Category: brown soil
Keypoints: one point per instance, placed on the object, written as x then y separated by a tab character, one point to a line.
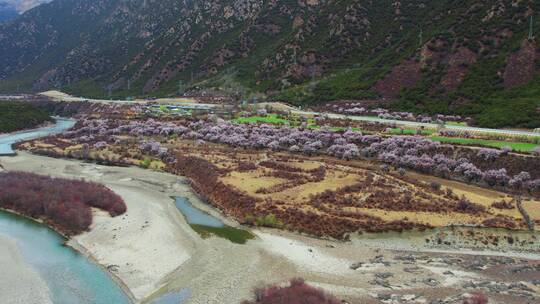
520	66
321	196
405	75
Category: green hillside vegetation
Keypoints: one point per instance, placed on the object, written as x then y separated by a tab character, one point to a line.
269	119
235	235
301	53
516	146
15	116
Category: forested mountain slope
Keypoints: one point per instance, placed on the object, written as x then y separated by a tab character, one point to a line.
469	57
7	12
10	9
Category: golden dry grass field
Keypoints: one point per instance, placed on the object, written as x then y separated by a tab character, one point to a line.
357	192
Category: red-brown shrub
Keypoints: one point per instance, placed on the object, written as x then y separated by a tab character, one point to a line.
504	205
476	298
297	293
62	203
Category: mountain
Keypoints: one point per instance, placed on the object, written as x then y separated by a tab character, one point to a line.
468	57
10	9
22	6
7	12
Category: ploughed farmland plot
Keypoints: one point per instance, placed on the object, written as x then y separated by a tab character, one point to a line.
325	197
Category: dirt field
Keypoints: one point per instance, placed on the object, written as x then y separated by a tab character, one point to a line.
365	270
327	197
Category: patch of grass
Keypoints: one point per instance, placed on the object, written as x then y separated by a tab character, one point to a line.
145	163
164	108
273	119
517	146
270	119
397	131
456	123
149	163
235	235
269	220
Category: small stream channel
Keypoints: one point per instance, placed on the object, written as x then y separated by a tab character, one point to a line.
70	276
206	225
6	140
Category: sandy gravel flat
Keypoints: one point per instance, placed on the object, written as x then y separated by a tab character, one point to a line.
306	257
140	247
19	282
153	251
61	96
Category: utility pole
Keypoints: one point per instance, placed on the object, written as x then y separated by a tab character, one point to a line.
109	91
180	87
421	37
531	33
312	74
129	84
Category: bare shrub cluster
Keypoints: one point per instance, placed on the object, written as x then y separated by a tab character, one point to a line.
298	292
62	203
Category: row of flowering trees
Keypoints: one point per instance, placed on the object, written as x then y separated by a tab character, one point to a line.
418	153
63	203
240	135
359	109
411	152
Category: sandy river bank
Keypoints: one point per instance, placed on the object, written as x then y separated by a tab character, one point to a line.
152	250
140	247
19	282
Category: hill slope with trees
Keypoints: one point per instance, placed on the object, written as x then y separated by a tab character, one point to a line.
7	12
15	116
467	57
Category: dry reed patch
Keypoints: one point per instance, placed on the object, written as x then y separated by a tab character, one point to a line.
464	188
305	165
333	181
295	187
325	196
75	147
475	194
533	209
426	218
251	181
